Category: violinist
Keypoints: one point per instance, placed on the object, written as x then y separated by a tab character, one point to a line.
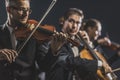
67	63
23	66
93	27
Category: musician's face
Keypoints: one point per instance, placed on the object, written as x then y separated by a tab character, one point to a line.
72	24
94	32
19	12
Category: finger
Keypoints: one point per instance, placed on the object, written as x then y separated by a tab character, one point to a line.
58	37
82	33
5	55
14	54
11	54
8	53
61	37
107	40
55	38
65	37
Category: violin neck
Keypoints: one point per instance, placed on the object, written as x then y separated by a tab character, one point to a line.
45	31
90	49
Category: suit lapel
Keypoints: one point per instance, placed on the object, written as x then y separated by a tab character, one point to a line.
5	41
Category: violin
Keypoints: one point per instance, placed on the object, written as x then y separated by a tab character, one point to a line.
114	46
42	33
100	72
90	54
108	43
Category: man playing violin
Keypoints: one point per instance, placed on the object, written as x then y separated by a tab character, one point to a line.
67	63
93	27
22	66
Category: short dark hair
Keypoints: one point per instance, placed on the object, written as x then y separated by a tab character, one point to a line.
89	23
11	2
71	11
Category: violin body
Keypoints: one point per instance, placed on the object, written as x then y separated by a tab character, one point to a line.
100	72
42	33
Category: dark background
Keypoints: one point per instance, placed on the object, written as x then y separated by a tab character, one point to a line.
107	11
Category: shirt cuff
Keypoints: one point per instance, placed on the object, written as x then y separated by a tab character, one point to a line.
100	63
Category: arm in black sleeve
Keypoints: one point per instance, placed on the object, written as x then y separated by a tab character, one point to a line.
66	59
95	43
86	69
44	56
114	58
83	64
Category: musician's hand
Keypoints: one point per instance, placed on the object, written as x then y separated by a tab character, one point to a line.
107	68
104	41
85	36
57	42
8	54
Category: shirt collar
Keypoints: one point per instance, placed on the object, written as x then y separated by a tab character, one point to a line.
9	28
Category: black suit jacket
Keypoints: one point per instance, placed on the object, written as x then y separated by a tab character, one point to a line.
24	66
63	65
